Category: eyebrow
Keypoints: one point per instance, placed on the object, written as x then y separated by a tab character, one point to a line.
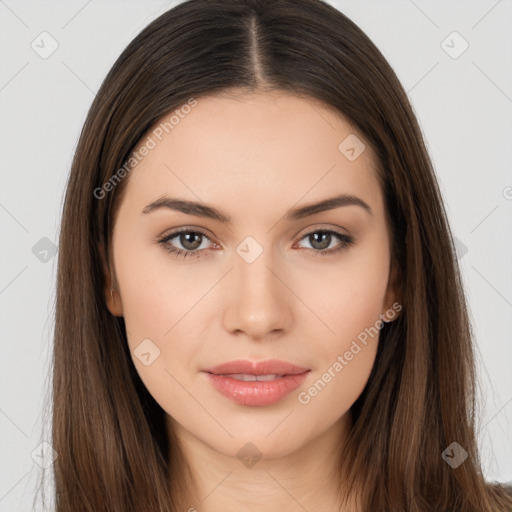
202	210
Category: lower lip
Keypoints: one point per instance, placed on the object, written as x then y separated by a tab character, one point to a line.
256	393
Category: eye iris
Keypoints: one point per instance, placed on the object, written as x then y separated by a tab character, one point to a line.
319	234
187	244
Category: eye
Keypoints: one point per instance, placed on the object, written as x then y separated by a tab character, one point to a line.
320	241
192	242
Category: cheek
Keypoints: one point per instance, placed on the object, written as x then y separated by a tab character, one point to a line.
159	312
159	322
348	297
334	388
345	296
345	354
157	295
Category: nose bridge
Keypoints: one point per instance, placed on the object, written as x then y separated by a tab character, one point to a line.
258	302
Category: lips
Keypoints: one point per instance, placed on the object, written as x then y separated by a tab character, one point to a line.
268	367
256	383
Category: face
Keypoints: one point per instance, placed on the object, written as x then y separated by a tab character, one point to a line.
262	278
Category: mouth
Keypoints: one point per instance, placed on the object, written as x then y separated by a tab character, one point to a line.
256	383
247	377
269	367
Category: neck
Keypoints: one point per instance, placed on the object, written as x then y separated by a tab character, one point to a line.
305	479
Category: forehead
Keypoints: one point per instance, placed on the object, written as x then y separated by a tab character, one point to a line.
260	148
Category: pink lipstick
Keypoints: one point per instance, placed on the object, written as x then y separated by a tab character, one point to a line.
256	383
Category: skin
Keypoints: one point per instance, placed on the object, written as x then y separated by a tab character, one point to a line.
254	157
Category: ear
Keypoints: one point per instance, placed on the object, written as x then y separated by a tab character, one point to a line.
393	296
112	297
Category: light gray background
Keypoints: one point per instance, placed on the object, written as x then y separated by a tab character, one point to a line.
464	106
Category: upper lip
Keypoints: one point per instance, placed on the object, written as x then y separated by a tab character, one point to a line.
268	367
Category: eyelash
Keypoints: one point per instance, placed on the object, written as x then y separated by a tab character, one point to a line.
346	241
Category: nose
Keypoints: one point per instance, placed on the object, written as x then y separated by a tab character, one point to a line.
259	304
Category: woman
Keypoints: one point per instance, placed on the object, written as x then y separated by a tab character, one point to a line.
258	302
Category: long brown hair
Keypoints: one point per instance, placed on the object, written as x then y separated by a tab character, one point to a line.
114	453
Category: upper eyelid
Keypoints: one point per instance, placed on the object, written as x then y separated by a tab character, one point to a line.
174	234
